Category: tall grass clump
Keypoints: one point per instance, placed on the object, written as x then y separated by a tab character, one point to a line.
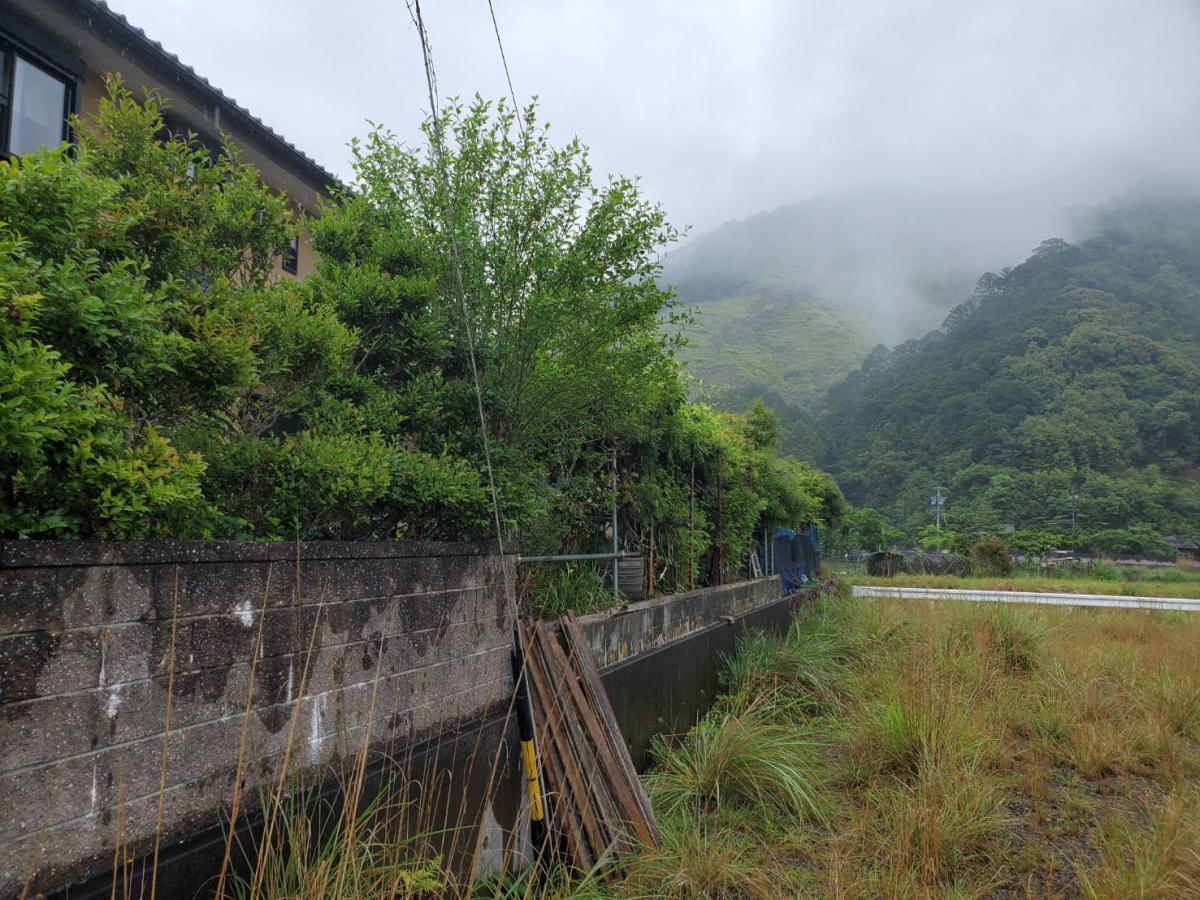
1158	860
940	827
738	759
697	861
1011	640
315	848
550	589
800	673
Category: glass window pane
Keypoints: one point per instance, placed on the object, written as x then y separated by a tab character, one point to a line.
3	75
38	103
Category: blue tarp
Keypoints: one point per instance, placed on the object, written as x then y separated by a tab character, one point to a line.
797	556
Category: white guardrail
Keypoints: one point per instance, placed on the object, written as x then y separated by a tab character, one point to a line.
1111	600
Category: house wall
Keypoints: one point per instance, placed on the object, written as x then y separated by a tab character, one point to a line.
76	41
410	643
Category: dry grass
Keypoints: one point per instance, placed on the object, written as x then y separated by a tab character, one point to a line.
966	751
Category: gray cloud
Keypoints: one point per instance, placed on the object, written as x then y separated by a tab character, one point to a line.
727	108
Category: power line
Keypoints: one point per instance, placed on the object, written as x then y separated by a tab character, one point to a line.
431	83
504	59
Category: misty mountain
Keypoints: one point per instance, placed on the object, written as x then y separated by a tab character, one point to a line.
1070	382
791	300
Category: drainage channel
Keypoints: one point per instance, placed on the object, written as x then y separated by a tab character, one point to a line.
1118	602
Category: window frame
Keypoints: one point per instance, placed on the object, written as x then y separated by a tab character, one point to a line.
290	261
11	47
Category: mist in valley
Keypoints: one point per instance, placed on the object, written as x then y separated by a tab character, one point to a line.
870	157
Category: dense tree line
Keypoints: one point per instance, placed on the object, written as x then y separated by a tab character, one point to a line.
157	379
1066	390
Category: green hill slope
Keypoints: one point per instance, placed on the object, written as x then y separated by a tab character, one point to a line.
768	341
1069	382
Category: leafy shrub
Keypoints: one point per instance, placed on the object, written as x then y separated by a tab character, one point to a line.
1105	570
990	557
157	379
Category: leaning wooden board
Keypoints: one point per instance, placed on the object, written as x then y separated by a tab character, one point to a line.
598	809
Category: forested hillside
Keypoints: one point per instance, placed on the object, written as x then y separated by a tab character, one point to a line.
1071	382
792	300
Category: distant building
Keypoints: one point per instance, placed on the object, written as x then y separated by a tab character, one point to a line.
1187	553
54	56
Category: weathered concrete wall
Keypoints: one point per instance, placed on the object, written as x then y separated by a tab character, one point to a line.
408	641
619	634
661	658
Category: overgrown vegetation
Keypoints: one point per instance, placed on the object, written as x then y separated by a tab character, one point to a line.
157	380
897	750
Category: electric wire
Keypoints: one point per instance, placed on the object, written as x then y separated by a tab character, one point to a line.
504	59
431	83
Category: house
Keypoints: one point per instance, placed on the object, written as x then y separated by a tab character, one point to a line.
1187	552
54	57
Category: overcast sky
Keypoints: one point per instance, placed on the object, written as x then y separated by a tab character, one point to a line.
728	108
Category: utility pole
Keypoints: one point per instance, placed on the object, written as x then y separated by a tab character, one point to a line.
938	502
1074	508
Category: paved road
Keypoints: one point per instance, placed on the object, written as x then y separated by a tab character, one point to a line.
912	593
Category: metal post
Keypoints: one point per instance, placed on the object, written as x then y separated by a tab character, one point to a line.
650	580
720	522
692	529
616	569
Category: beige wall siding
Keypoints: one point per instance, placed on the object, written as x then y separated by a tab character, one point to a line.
91	90
307	262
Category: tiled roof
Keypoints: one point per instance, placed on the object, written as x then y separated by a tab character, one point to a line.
187	73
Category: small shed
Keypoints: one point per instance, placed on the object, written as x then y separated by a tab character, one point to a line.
1187	552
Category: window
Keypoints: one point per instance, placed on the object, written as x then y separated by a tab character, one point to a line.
291	256
34	103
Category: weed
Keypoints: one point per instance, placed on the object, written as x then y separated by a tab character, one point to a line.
801	671
1157	861
941	825
696	862
736	758
550	589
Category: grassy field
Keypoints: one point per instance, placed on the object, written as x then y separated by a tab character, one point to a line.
885	749
800	346
1180	585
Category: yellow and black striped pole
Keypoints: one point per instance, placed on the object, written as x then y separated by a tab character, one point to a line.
529	754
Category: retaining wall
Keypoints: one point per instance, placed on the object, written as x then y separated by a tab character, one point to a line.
409	653
660	658
409	644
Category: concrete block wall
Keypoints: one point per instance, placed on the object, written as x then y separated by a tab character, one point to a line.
660	658
615	635
407	641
